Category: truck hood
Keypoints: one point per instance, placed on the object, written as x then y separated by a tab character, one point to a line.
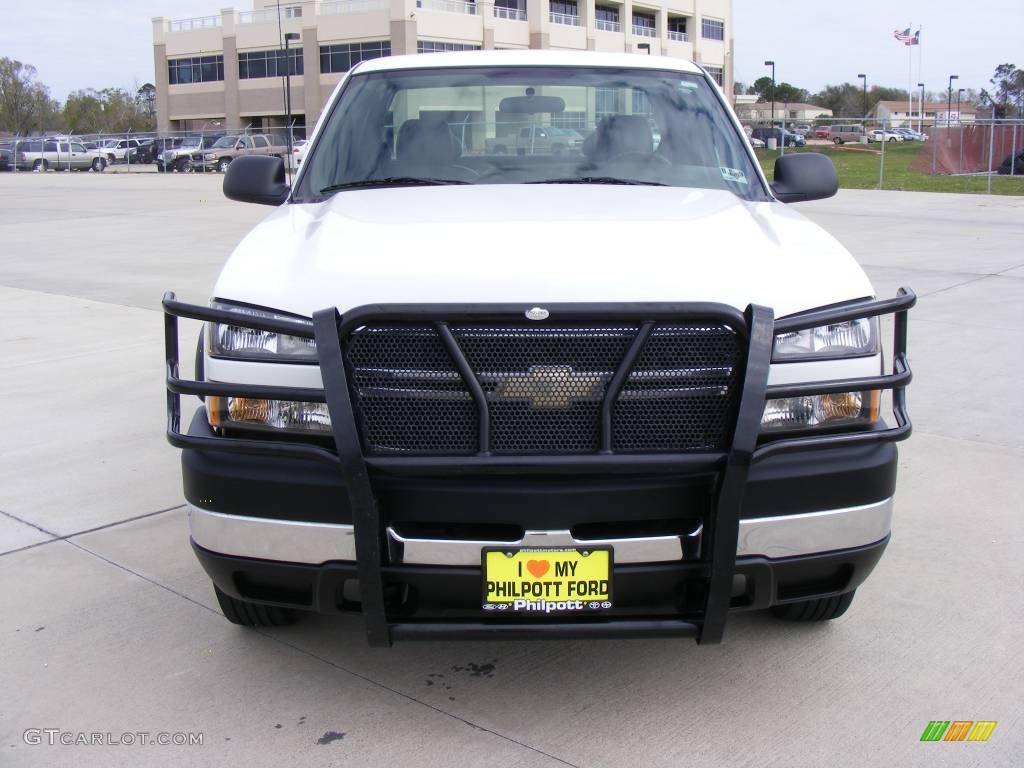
537	244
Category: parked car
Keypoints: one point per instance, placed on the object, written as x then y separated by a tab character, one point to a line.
841	134
220	154
518	423
186	154
1012	164
823	132
6	159
909	134
884	135
116	150
299	152
539	140
802	130
779	134
756	143
145	153
49	154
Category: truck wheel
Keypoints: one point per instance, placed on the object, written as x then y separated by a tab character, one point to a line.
837	140
184	165
500	149
222	166
248	614
98	164
822	609
40	165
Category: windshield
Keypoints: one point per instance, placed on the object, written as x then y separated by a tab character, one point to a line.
521	125
225	142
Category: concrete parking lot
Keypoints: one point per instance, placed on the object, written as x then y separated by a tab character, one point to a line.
109	625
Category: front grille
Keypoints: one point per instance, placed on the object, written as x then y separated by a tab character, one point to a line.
544	387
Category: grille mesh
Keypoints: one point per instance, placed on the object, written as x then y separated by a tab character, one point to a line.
544	386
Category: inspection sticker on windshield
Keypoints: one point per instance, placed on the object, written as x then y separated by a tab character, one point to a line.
733	174
547	580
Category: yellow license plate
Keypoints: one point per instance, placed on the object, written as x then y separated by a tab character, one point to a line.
547	580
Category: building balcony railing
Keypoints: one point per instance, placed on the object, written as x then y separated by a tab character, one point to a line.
644	31
269	15
566	19
343	7
186	25
607	26
681	37
510	14
448	6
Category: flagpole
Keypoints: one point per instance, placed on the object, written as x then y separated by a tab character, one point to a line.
920	119
910	77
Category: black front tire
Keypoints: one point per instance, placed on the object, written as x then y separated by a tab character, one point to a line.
248	614
821	609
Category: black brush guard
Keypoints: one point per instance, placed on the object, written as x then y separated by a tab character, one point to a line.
756	328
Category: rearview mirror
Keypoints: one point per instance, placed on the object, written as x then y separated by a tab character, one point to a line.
804	176
531	104
256	179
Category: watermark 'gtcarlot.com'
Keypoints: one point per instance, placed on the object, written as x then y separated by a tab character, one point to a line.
55	736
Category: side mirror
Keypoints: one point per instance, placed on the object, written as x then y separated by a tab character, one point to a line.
804	176
256	179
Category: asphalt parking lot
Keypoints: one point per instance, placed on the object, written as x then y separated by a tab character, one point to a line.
109	625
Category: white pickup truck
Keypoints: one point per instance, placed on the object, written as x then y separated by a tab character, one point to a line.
622	392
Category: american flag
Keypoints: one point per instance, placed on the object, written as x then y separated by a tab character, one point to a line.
903	36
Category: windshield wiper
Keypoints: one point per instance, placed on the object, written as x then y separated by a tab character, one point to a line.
391	181
598	180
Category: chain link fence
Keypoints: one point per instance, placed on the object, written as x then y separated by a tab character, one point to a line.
969	156
146	152
868	153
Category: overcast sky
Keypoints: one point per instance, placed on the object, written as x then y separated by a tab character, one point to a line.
101	43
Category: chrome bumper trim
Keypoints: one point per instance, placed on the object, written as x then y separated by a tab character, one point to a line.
315	543
648	549
287	541
832	529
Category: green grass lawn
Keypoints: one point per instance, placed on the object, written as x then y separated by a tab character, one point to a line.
858	169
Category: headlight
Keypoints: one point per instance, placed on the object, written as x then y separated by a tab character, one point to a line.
269	415
238	341
854	338
839	409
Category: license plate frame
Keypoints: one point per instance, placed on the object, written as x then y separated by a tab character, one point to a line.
519	569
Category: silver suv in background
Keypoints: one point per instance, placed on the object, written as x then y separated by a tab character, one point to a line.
185	154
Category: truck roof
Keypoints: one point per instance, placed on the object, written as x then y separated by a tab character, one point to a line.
527	58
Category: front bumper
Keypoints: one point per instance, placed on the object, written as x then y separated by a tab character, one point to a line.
756	524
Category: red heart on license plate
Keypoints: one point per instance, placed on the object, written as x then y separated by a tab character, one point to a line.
538	567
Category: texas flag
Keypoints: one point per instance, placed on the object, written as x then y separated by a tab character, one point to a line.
915	40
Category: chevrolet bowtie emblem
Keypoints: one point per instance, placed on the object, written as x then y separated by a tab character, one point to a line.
551	386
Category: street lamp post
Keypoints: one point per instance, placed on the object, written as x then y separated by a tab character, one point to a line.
920	115
864	82
288	37
949	98
772	65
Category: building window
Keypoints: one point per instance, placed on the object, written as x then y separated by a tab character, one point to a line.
253	64
608	101
435	46
712	29
341	58
716	74
641	103
197	69
576	120
677	24
564	12
292	12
